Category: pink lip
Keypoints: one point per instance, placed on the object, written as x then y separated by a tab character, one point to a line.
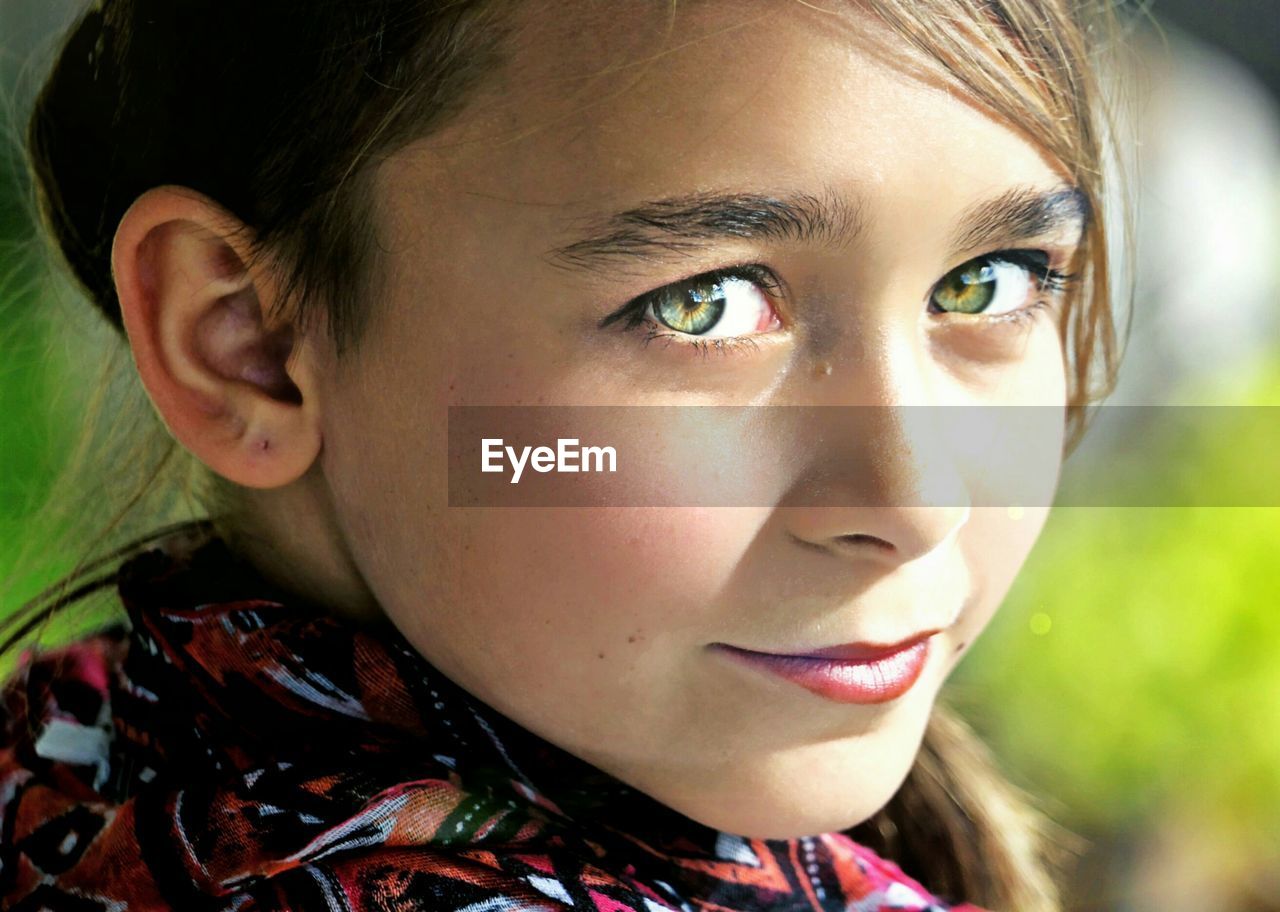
859	652
852	673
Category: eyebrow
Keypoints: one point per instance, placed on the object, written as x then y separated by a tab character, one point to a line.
686	224
1022	214
683	225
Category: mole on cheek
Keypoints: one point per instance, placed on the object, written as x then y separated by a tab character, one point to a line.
961	646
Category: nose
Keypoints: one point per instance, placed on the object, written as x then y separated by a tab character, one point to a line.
882	481
887	535
895	499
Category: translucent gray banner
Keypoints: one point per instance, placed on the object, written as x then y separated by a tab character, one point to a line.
755	456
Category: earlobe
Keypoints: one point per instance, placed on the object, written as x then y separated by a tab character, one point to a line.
231	387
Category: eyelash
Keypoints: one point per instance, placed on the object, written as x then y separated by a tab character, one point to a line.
1046	279
721	345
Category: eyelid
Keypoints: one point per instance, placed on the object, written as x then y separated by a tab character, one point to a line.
1038	261
1026	256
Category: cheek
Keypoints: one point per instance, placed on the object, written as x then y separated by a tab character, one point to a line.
996	543
599	578
558	616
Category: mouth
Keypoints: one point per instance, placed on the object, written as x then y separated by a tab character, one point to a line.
849	673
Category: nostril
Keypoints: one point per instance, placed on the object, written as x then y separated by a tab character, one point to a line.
846	543
860	538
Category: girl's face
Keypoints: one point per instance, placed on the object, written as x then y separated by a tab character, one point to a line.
593	626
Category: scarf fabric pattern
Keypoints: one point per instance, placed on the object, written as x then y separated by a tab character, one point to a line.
232	749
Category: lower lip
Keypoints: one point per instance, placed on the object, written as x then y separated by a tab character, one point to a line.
876	680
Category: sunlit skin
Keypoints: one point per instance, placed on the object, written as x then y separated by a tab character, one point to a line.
591	626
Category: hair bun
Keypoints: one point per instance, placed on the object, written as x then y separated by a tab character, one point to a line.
73	153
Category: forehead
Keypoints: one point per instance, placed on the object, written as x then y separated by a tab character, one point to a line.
604	104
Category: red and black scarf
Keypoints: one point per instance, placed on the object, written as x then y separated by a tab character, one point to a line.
234	749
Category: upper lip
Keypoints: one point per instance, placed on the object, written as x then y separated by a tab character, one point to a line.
860	651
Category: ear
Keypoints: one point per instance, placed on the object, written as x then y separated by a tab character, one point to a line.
235	391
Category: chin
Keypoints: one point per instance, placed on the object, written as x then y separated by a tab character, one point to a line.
803	803
786	823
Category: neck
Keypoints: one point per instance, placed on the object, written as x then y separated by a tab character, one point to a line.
291	536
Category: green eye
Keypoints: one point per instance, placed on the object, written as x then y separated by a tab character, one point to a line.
967	289
997	283
722	305
716	305
692	309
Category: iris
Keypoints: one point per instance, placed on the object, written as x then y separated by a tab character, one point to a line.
692	309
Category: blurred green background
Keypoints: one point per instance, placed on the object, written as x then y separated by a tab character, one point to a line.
1132	679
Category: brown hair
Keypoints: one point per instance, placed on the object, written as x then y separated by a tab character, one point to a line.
277	110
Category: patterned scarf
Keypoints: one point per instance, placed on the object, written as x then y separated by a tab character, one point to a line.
235	749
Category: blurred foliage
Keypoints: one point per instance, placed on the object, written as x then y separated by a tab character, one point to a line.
1134	670
26	447
39	409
